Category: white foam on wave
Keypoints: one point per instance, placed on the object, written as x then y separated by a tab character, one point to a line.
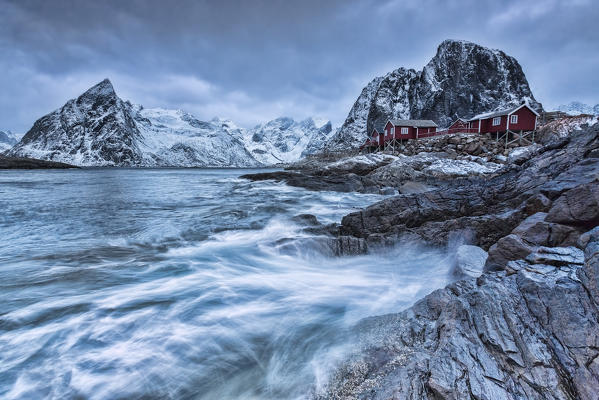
261	313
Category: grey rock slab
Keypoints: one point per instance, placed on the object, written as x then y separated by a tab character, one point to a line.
469	261
557	256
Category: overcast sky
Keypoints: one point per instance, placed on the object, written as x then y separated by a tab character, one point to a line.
252	61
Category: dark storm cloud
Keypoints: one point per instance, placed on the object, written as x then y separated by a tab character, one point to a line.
255	60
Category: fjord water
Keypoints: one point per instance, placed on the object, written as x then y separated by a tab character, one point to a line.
182	283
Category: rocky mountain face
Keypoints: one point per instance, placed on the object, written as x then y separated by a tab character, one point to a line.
463	79
577	108
100	129
176	138
7	140
97	128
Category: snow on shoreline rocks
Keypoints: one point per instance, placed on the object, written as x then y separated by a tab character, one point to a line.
421	166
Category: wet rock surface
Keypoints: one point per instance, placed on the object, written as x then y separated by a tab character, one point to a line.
530	331
469	261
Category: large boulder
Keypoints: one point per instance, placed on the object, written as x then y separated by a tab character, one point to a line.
508	248
579	206
537	203
586	237
536	231
521	154
556	256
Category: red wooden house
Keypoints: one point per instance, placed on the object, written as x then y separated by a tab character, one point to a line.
401	129
374	141
522	118
459	125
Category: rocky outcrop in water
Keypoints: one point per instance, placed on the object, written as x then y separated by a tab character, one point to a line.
483	210
463	79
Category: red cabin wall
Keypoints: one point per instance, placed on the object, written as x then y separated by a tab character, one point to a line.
410	135
489	128
526	120
374	139
388	129
426	132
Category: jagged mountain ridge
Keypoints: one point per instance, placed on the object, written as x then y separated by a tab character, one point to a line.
284	140
7	140
463	79
100	129
577	108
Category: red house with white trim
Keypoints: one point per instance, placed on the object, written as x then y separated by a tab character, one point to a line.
522	118
400	129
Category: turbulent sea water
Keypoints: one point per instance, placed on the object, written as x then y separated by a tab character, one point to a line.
182	284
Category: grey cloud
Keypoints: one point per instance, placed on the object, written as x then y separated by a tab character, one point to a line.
255	60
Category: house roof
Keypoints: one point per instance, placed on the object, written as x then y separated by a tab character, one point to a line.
459	119
378	130
502	112
416	123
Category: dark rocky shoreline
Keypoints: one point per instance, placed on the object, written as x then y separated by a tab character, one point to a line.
528	325
30	163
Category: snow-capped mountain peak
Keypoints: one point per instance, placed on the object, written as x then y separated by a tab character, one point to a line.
7	140
285	140
102	89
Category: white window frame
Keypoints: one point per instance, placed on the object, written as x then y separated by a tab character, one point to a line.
404	131
392	131
496	121
513	119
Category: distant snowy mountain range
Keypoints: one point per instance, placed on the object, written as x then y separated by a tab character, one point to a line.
577	108
100	129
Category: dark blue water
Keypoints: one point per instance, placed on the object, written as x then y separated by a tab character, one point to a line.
182	283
